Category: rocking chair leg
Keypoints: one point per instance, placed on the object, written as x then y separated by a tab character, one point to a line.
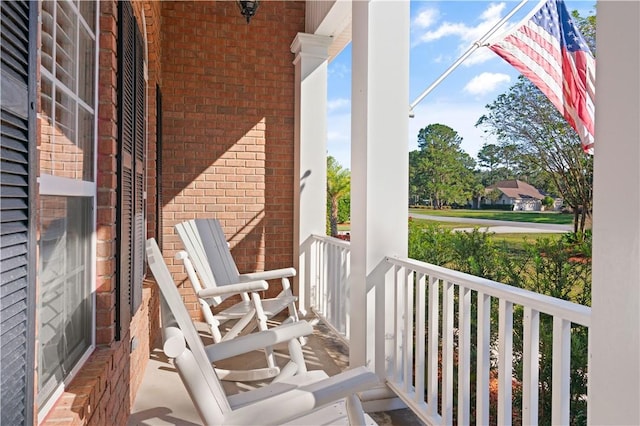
261	318
355	413
293	312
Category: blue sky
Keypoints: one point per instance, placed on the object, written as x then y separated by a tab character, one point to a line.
441	31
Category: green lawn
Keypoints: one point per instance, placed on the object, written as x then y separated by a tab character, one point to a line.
534	217
515	240
445	225
344	227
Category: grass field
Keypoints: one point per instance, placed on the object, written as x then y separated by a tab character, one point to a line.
533	217
515	240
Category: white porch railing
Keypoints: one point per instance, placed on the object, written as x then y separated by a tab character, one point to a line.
329	274
433	313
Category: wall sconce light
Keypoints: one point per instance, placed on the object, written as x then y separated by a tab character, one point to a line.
248	8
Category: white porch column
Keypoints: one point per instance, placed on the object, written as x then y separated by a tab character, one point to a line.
310	136
379	167
614	373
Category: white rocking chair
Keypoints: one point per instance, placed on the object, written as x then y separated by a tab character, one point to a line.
295	397
214	276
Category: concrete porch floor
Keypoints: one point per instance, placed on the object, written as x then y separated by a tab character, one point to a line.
163	400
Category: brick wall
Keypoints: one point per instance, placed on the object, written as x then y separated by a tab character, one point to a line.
107	174
228	148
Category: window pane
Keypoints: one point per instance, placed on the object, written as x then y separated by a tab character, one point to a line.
67	156
85	142
46	99
65	44
88	12
86	58
47	34
64	292
65	118
47	128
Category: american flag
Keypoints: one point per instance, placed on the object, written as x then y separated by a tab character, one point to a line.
548	49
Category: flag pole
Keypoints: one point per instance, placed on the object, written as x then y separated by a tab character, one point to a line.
464	56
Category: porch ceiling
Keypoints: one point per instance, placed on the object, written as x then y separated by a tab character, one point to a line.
332	19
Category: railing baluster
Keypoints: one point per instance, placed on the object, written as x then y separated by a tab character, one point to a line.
336	290
329	284
464	355
420	308
397	324
530	365
432	360
482	369
561	371
505	361
408	329
334	283
342	290
447	353
322	268
347	309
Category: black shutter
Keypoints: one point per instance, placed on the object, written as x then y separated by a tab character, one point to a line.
17	219
131	167
139	175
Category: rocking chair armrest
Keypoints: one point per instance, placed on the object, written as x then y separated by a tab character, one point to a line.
259	340
242	287
294	400
268	275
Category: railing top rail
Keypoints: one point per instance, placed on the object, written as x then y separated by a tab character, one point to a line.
332	240
573	312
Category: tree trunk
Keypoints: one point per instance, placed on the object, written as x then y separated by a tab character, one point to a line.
333	218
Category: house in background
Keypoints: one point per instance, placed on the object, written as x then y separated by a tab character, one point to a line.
120	119
519	194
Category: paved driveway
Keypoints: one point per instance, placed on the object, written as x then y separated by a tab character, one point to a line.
500	226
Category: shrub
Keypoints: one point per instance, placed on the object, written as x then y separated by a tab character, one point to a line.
430	243
558	268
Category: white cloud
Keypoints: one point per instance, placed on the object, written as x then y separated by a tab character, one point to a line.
337	104
481	55
444	30
339	70
426	18
493	13
485	83
466	34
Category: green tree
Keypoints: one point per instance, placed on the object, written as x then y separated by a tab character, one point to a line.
523	117
417	179
440	170
494	195
338	188
489	156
